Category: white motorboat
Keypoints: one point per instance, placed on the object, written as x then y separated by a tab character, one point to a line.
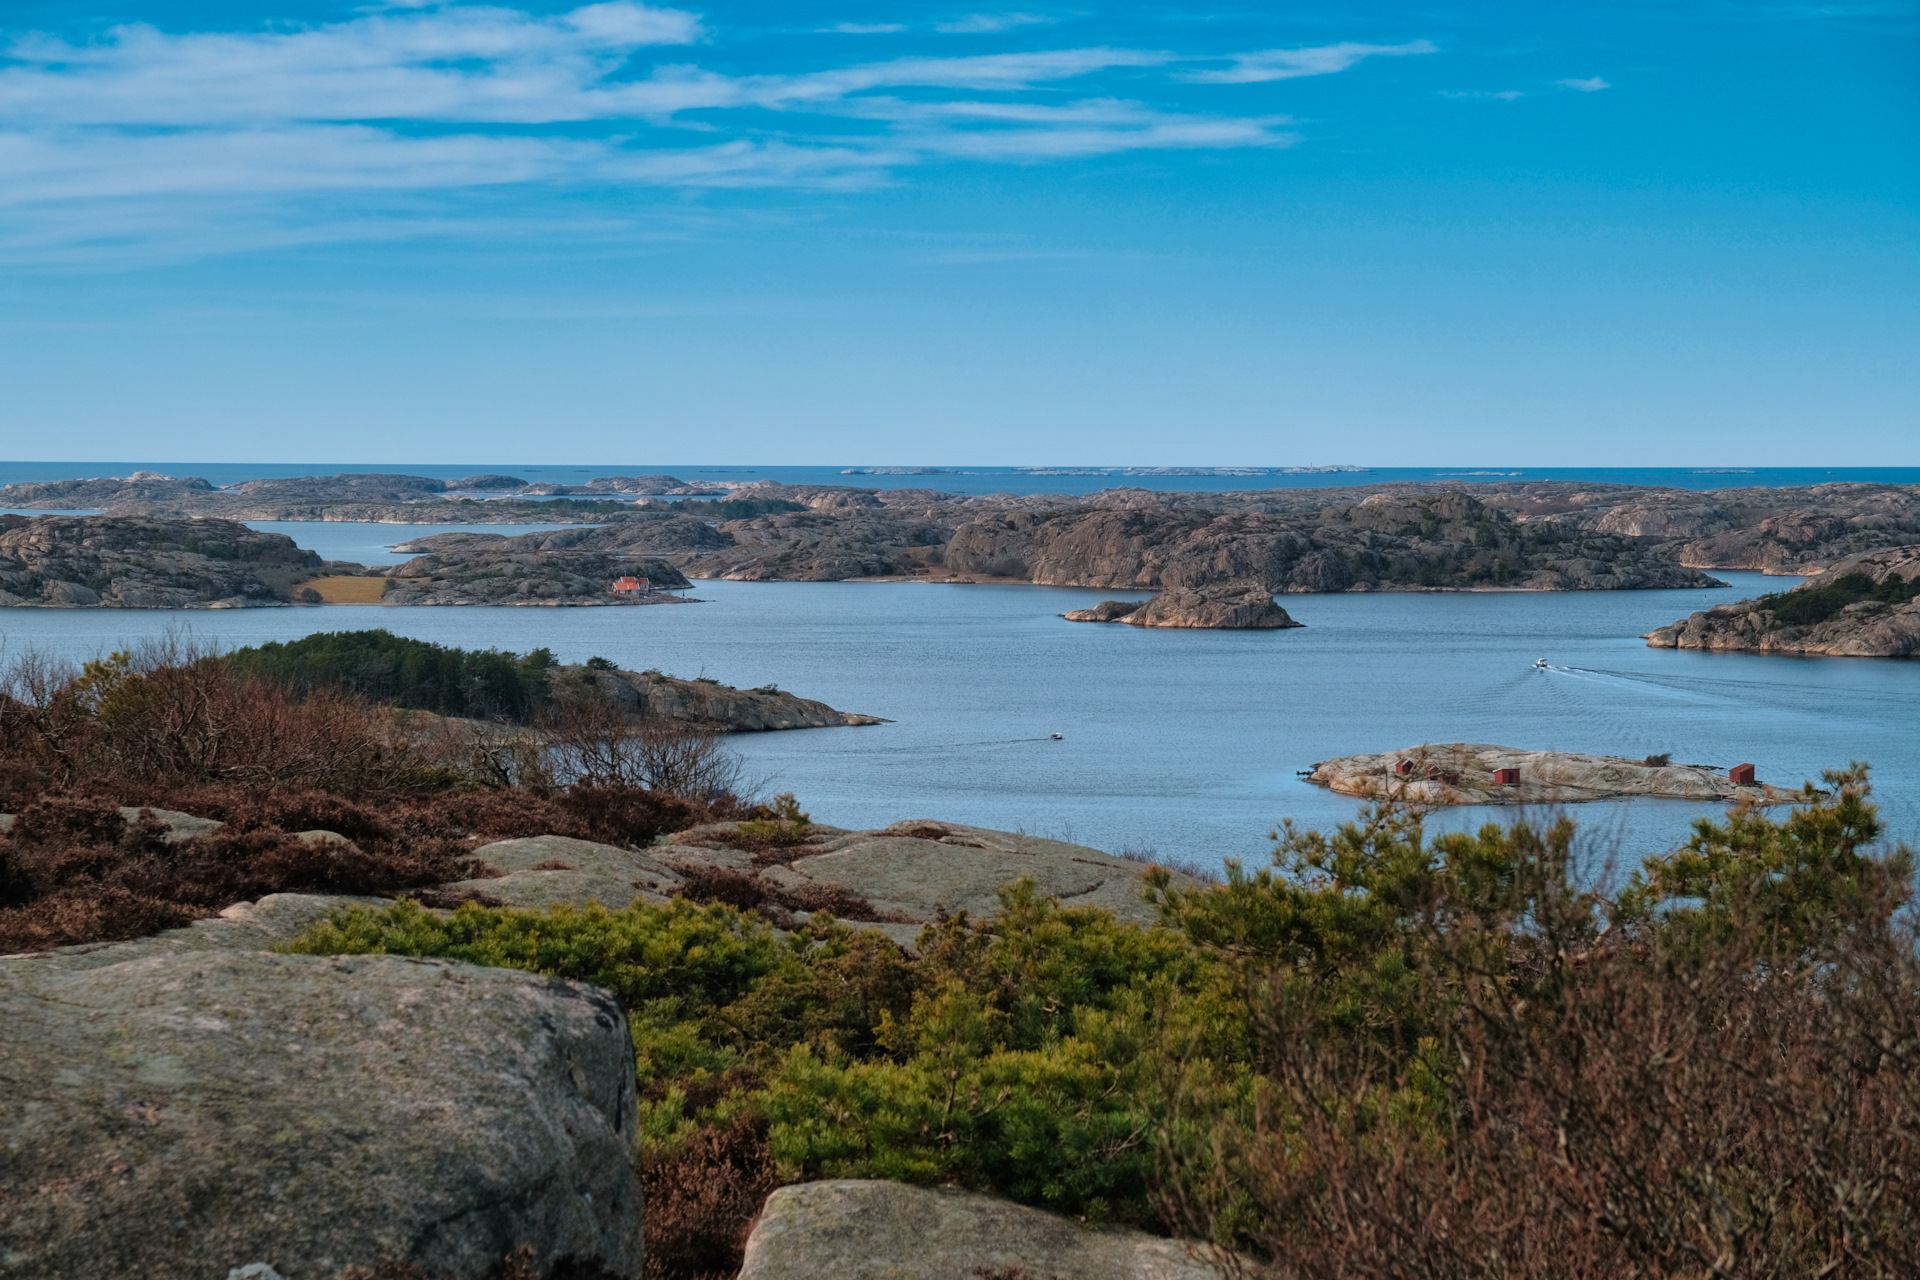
1540	664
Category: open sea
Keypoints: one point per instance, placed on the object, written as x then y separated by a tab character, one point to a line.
1183	743
994	479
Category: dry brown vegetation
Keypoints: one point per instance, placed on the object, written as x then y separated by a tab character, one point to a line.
1716	1075
175	727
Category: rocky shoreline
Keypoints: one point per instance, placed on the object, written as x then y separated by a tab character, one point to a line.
1866	606
1476	773
1504	534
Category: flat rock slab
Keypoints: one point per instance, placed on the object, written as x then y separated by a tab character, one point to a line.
1451	773
551	871
187	1104
858	1230
923	869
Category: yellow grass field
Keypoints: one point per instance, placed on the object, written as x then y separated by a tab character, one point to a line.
346	590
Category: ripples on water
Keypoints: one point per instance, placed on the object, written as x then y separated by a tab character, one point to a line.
1181	742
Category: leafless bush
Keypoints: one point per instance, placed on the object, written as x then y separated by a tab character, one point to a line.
1713	1114
592	740
174	712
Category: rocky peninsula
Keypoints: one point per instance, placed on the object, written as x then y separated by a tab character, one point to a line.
1866	606
1455	773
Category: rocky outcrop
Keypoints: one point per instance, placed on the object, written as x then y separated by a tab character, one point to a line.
1227	608
537	872
1105	611
1453	773
499	572
913	873
1866	606
1509	533
189	1104
861	1230
710	704
114	562
1224	609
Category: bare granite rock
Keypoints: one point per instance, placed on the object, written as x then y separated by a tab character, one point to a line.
1450	773
538	872
184	1105
1864	628
710	704
863	1230
1244	608
116	562
921	871
1105	611
498	571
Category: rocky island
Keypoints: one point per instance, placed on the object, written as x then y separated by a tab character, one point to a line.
1247	608
142	562
1866	606
1455	773
136	562
1501	535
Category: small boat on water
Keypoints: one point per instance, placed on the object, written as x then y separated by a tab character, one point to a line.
1539	664
1054	736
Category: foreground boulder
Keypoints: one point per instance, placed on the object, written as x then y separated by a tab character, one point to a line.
914	873
1866	606
189	1104
1450	773
857	1230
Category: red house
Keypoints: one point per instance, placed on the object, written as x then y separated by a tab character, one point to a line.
1506	777
631	586
1403	767
1741	775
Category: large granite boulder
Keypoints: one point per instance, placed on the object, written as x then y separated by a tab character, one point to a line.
537	872
858	1230
914	873
188	1104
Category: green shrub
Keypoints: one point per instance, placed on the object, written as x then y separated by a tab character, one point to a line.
1025	1056
1806	606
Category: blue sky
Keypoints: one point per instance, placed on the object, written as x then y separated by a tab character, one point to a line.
1572	234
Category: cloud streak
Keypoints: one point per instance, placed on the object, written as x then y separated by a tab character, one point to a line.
450	98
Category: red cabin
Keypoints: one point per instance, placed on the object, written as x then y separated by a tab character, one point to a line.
1506	777
1741	775
631	585
1403	767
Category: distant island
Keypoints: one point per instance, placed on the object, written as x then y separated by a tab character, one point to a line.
1504	534
127	562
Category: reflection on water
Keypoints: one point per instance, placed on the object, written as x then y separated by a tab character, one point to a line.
1183	742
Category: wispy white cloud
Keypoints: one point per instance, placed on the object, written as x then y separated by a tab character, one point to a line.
1494	95
138	125
988	23
1316	60
1592	84
864	28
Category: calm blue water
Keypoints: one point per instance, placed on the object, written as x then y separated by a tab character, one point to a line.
1182	742
989	479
